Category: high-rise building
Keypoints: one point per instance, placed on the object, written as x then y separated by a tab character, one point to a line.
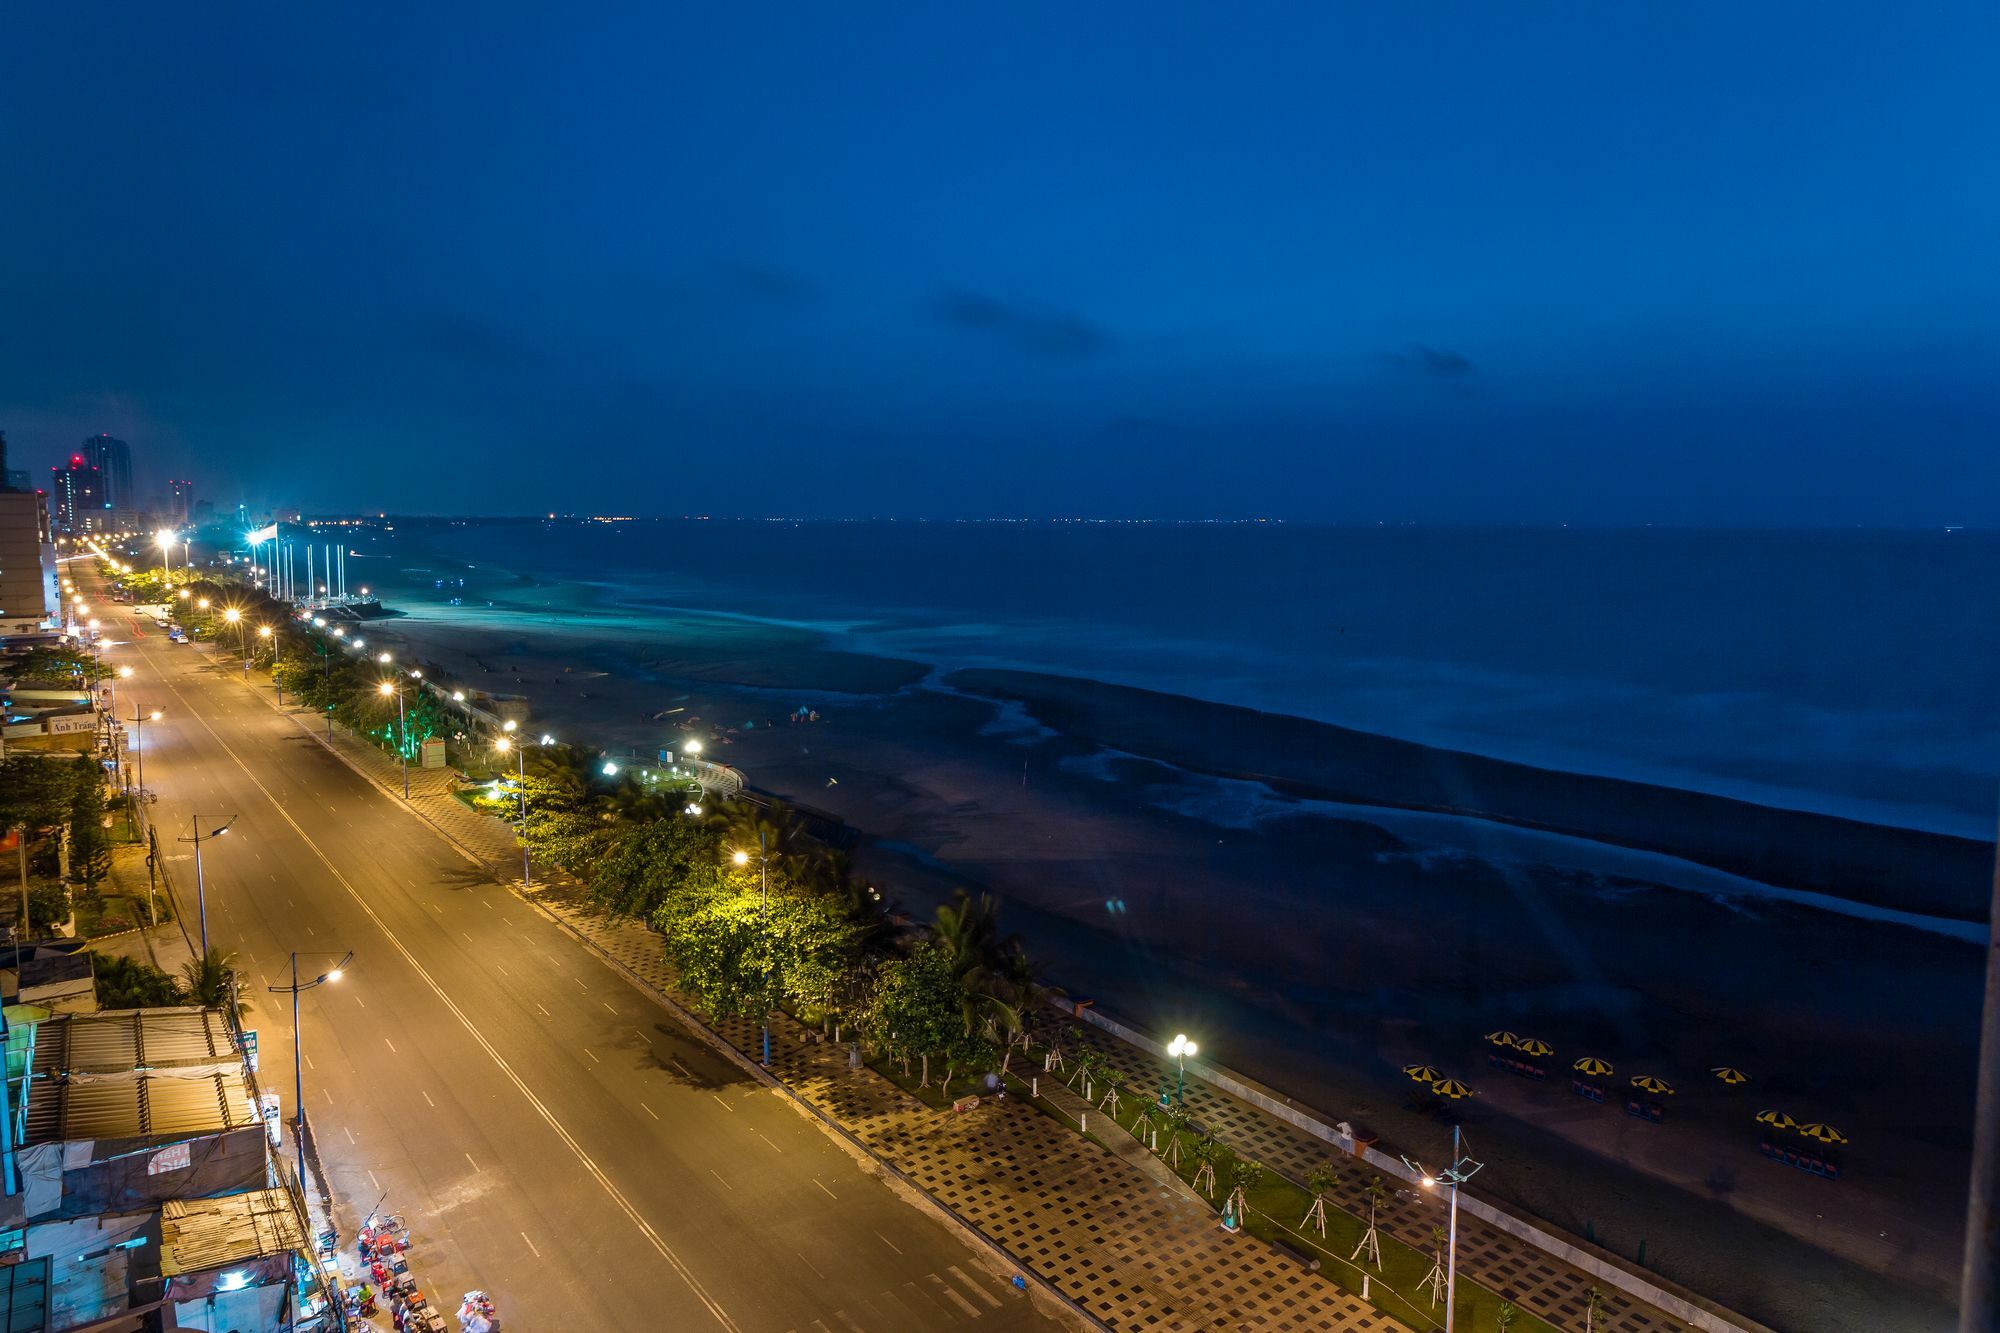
76	496
180	501
11	479
26	573
113	461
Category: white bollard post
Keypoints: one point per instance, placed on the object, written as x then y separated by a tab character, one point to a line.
1035	1086
1083	1122
1364	1286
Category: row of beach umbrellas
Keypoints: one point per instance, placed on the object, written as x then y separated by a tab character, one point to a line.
1594	1067
1816	1131
1439	1083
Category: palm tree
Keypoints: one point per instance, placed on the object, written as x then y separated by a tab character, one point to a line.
969	929
1322	1180
1207	1152
211	980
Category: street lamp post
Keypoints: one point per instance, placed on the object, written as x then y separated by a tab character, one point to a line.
298	1052
402	733
264	632
165	541
1462	1169
764	920
235	617
1181	1048
200	886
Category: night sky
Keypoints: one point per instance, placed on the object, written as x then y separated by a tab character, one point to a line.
1545	262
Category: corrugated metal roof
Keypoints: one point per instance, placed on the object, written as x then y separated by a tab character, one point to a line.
198	1234
142	1106
121	1040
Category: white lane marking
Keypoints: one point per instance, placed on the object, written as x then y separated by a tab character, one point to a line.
427	1099
810	1264
391	1045
579	981
309	1062
545	1013
607	1005
829	1193
593	1056
503	971
541	1108
649	1110
952	1294
973	1287
890	1243
468	937
363	1003
725	1184
678	1065
760	1134
531	1244
725	1105
371	1180
470	1162
350	1135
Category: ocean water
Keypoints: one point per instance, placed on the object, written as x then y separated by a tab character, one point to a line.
1855	673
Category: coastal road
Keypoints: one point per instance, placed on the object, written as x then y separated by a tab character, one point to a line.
549	1132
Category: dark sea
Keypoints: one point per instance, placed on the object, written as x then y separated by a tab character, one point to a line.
1854	673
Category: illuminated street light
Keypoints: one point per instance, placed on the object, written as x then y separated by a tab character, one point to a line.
1181	1048
1462	1169
402	731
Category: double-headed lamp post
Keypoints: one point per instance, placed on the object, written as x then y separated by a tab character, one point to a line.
200	886
298	1055
1181	1048
503	744
764	915
402	731
1462	1169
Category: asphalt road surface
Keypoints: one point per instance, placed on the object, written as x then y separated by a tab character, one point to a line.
549	1132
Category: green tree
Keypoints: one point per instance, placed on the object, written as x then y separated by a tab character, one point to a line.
916	1008
125	983
210	979
1506	1316
89	841
644	867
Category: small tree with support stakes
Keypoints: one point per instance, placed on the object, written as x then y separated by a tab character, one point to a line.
1507	1316
1371	1242
1088	1063
1243	1177
1207	1152
1434	1280
1593	1309
1114	1079
1321	1181
1177	1123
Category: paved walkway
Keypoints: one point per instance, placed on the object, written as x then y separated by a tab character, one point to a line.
1539	1284
1131	1250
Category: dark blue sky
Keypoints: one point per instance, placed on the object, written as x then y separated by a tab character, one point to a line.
1548	262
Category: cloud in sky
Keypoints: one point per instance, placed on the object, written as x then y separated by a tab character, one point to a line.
1054	334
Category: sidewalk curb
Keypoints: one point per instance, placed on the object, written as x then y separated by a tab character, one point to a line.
924	1200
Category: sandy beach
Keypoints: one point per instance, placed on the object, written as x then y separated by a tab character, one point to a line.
1169	859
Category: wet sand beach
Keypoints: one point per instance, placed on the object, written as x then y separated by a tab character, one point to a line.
1318	949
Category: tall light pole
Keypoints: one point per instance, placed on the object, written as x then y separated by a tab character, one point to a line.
402	731
139	721
264	632
200	886
1181	1048
1462	1169
764	918
298	1052
505	743
164	539
235	617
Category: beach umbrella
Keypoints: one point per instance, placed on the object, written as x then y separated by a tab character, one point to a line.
1590	1064
1776	1120
1503	1038
1422	1073
1730	1076
1450	1087
1535	1046
1658	1086
1823	1133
